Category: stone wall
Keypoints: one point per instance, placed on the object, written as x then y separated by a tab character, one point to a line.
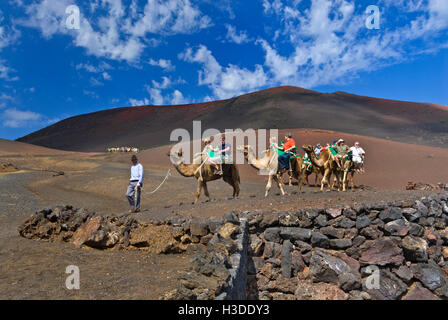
218	245
387	251
396	250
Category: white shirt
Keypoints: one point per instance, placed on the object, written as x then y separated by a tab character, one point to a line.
137	173
357	151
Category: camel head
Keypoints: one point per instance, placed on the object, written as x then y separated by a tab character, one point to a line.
308	148
245	149
175	157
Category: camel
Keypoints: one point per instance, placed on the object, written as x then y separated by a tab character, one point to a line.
204	173
269	164
350	168
327	164
314	169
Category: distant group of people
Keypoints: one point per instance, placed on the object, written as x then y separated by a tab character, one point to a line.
122	149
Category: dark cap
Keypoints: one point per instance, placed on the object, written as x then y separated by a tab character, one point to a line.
134	157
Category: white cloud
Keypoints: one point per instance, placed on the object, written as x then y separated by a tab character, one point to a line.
165	83
225	82
162	63
233	36
331	43
178	98
94	69
156	96
5	100
114	30
14	118
8	36
106	76
136	102
5	72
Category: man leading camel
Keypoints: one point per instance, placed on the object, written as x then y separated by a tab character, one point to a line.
135	185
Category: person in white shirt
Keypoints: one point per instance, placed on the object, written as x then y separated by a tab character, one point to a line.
135	185
358	155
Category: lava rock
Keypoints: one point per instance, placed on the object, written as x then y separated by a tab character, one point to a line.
332	232
340	244
398	227
390	214
418	292
286	259
320	240
327	267
333	212
362	222
272	234
292	233
411	214
381	252
371	232
415	249
390	287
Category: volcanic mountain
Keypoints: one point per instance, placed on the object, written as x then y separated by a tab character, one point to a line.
280	107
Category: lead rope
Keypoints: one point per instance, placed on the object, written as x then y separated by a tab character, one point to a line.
155	190
199	168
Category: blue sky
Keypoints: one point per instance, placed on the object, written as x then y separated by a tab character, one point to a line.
163	52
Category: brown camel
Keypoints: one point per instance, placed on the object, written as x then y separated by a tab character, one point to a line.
350	169
314	169
326	163
204	173
269	165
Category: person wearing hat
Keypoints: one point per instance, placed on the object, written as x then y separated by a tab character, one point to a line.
135	184
342	150
318	150
358	156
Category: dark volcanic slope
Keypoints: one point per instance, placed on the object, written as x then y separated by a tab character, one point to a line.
282	107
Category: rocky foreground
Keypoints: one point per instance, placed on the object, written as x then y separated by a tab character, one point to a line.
395	250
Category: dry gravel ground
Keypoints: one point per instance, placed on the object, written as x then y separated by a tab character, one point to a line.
36	269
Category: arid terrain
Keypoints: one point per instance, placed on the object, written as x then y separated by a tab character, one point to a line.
404	142
97	181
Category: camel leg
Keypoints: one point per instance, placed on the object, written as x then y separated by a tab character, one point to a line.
234	183
268	185
344	181
290	177
300	183
198	191
352	174
279	183
204	185
325	180
305	178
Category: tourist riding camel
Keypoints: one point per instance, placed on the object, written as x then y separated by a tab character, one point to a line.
342	152
212	158
204	172
326	163
268	165
283	159
358	156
